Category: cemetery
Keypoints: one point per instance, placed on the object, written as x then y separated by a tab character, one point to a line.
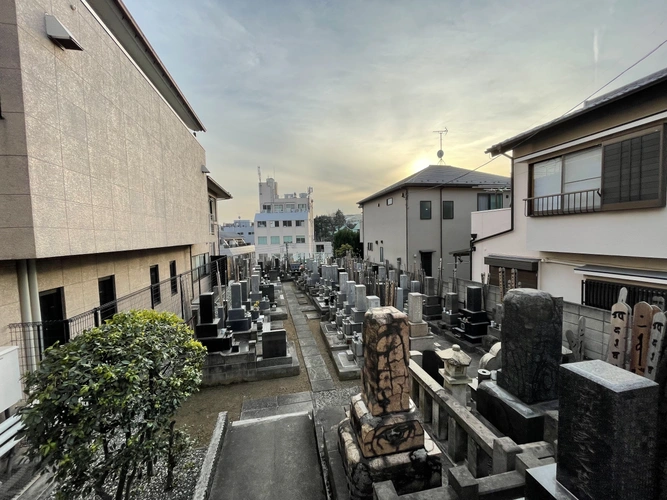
464	391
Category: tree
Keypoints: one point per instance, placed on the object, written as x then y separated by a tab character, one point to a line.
327	225
342	250
338	219
100	408
347	237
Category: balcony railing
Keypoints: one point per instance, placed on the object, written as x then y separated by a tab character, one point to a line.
576	202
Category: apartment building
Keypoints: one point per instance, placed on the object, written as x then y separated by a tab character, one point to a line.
285	224
244	228
105	188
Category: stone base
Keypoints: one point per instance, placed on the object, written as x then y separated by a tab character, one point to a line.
239	325
409	471
422	343
450	320
510	415
278	313
208	329
393	433
216	344
418	329
541	484
347	366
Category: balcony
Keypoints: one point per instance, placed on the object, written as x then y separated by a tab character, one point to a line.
577	202
486	223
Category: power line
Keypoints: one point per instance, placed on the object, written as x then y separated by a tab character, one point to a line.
567	112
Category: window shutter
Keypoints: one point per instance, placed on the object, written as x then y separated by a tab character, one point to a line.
632	170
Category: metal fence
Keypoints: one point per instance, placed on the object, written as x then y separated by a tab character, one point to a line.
174	295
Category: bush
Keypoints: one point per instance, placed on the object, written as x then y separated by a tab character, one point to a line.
100	408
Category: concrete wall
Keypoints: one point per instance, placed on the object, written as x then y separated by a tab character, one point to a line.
110	167
10	311
385	223
489	222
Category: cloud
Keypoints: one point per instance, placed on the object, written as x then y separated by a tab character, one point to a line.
344	96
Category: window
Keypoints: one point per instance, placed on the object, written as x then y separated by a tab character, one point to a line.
172	275
274	223
289	207
278	208
604	294
287	239
261	223
287	223
485	201
424	210
155	286
199	266
300	239
299	223
632	173
381	254
369	246
448	209
107	289
251	232
566	184
390	201
302	207
319	248
266	208
275	240
261	240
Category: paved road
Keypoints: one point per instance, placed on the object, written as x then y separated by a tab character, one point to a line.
272	458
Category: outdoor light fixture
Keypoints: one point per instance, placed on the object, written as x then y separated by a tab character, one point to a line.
205	170
59	34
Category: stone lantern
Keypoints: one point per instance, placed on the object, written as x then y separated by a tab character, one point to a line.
455	372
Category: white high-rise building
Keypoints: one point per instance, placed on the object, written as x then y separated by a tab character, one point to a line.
284	224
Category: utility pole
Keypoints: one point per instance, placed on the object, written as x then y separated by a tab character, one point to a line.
287	266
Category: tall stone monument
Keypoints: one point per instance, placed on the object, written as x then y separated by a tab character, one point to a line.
383	438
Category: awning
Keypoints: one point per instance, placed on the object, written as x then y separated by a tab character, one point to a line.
509	262
643	275
460	253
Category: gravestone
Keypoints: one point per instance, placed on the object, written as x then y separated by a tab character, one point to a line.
607	427
474	298
404	281
415	286
244	290
431	363
576	341
642	319
452	302
274	344
417	326
236	295
373	301
254	283
342	282
206	307
429	285
531	349
656	345
400	299
392	275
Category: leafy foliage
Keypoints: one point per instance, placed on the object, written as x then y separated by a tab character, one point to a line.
345	240
326	225
100	408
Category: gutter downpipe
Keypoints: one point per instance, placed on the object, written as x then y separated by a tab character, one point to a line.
474	241
442	257
407	254
26	313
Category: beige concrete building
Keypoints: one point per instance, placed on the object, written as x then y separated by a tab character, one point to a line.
104	187
589	201
418	220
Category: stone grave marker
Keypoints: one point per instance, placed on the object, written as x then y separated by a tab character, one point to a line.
658	301
642	320
415	286
607	431
576	341
531	350
404	281
236	295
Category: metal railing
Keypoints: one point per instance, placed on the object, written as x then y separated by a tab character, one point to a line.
576	202
174	294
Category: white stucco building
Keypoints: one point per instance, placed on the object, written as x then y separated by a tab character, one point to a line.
285	224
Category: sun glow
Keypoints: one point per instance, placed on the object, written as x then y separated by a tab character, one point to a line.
419	164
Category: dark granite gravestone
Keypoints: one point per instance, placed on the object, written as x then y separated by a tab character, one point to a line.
431	363
474	298
206	307
274	344
236	295
532	339
607	431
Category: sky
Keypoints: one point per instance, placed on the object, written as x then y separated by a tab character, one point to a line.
344	95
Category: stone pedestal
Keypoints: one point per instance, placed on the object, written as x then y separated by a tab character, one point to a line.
607	431
532	338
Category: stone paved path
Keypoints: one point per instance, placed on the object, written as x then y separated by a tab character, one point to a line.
320	378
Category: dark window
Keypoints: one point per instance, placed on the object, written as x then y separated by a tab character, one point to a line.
299	223
424	210
447	209
390	201
172	275
369	246
55	328
155	286
631	171
287	223
381	254
107	290
489	201
604	294
320	248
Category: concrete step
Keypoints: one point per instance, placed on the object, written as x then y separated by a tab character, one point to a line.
270	458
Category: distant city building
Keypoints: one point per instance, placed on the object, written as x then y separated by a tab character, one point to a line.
352	222
284	225
243	227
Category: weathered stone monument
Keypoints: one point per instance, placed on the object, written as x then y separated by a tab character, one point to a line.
530	357
383	438
607	431
455	372
420	335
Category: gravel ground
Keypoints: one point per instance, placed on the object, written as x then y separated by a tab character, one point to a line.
200	412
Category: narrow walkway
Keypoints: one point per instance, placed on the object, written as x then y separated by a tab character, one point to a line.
272	458
320	378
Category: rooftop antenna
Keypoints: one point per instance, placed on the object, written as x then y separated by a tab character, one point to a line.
441	153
